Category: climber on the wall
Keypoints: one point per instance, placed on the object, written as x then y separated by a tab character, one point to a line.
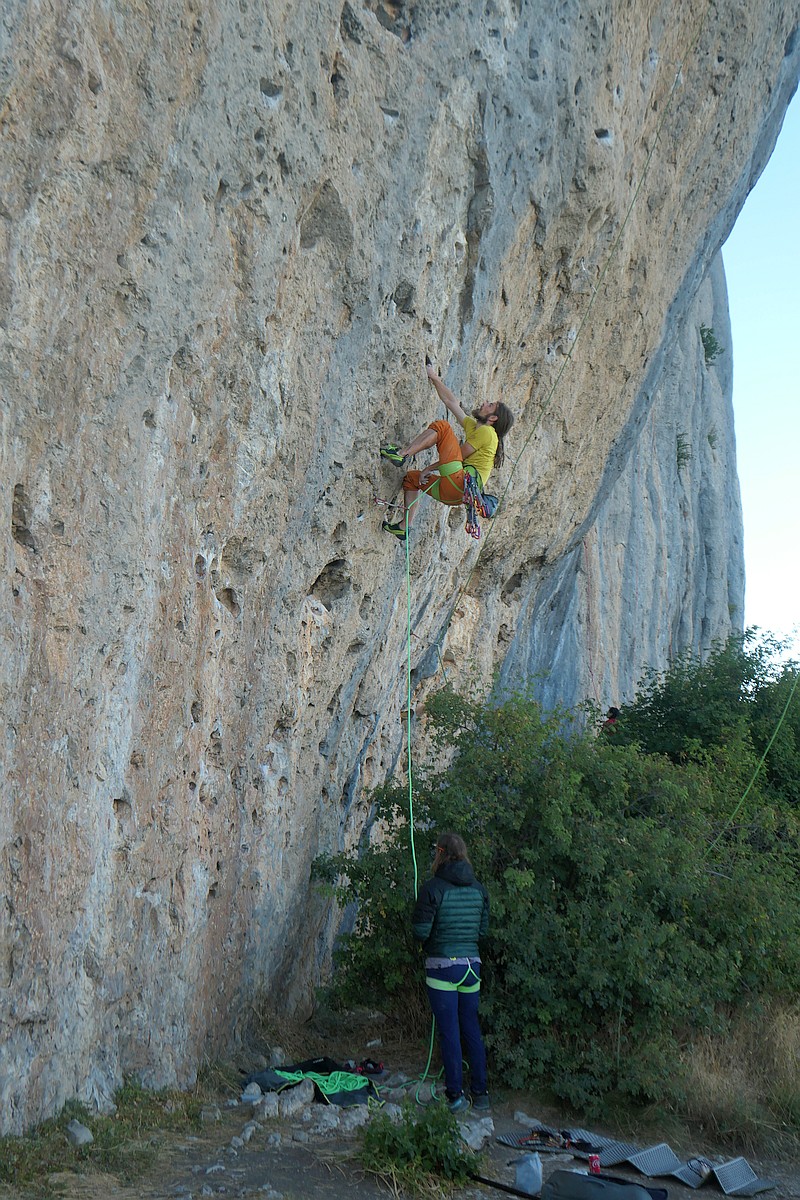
481	450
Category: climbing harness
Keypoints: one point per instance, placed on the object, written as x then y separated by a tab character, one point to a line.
444	985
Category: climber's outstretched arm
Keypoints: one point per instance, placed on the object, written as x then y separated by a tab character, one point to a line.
448	398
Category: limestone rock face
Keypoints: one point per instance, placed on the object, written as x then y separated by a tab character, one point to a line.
657	567
229	234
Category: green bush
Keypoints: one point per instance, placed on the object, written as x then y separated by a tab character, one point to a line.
711	346
420	1152
729	704
626	913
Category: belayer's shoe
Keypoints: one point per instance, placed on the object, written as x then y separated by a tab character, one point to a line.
459	1105
392	454
399	531
481	1102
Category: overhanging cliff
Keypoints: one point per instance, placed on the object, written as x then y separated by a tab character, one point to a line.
230	232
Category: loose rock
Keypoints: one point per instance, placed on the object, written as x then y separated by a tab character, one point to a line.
353	1118
477	1133
79	1135
267	1108
296	1098
324	1122
394	1113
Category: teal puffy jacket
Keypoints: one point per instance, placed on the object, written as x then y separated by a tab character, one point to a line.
451	913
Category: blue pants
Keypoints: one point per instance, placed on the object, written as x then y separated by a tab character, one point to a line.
456	1013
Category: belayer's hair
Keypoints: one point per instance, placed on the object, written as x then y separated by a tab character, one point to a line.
505	419
450	847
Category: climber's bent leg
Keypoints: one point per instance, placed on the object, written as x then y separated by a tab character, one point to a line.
423	441
446	442
448	486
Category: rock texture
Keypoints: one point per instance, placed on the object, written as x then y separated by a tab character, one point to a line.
657	567
229	233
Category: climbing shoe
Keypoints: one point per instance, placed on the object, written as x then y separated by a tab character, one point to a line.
459	1105
392	453
481	1103
399	531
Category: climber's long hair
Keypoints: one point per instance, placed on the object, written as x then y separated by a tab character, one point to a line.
505	419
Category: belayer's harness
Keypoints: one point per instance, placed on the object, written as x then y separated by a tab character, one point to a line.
444	985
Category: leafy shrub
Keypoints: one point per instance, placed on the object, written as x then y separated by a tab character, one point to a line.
421	1151
711	347
627	911
379	884
735	697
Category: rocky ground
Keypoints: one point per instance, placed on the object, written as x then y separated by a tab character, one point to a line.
300	1148
290	1147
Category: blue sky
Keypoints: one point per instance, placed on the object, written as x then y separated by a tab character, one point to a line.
762	265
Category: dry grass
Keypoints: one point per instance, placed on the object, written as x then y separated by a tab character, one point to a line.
744	1087
125	1143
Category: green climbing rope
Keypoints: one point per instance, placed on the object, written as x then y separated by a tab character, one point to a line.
336	1081
408	708
548	401
759	765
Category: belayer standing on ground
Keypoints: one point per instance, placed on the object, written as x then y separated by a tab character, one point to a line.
451	913
481	450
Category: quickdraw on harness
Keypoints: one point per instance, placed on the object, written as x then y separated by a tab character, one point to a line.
473	500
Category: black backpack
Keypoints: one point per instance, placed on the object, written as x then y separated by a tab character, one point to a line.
571	1185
